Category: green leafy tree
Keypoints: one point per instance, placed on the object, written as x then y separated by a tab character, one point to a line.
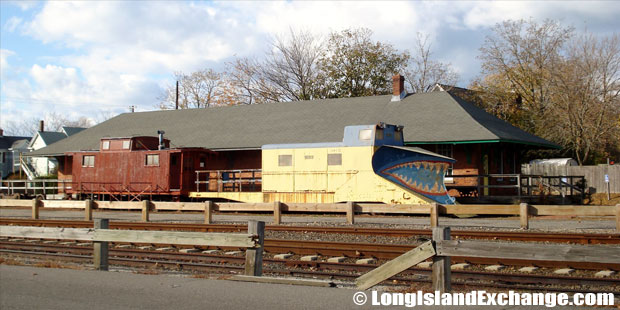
354	65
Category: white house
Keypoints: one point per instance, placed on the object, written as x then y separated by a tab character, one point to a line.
10	149
36	167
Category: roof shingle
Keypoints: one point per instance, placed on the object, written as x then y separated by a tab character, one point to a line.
428	118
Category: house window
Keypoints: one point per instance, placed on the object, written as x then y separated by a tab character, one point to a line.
365	134
106	145
152	160
88	160
126	144
334	159
285	160
446	150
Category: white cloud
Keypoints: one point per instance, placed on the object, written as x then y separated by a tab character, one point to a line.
114	54
24	5
12	23
4	63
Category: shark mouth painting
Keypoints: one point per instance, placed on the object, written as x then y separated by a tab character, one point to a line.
415	169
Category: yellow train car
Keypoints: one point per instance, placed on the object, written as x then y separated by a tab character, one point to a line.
369	165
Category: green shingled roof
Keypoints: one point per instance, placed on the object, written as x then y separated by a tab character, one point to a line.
428	118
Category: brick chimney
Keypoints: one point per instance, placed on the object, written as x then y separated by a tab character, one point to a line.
41	125
398	87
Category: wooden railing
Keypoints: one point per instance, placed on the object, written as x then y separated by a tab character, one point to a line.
520	186
524	211
239	180
33	188
441	248
101	235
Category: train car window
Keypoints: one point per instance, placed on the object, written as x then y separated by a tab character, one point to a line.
152	160
88	160
285	160
106	145
126	144
365	134
398	135
334	159
379	134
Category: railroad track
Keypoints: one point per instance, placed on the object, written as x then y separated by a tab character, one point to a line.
576	238
199	262
387	252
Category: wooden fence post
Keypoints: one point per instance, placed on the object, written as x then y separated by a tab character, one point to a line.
351	212
524	214
36	204
277	212
434	215
208	212
88	210
254	256
441	264
145	210
618	217
100	254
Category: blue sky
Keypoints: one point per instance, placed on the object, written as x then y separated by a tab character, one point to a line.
94	58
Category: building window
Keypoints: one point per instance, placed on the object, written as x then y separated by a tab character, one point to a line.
126	144
88	160
446	150
365	134
152	160
334	159
285	160
106	145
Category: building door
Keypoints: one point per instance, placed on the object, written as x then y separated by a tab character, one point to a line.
175	171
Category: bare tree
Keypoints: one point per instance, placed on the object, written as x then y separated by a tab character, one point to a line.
586	96
196	90
52	121
521	54
247	82
291	66
423	73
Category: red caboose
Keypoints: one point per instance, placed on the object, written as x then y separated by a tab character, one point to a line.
135	167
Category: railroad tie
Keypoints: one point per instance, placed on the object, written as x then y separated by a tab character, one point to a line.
460	266
494	267
309	258
604	273
366	261
338	259
283	256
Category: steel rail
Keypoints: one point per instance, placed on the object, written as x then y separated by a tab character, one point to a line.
578	238
359	250
189	261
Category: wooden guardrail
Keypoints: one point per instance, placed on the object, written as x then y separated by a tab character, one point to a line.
100	235
524	211
441	248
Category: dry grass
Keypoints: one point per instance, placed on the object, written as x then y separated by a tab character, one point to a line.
600	199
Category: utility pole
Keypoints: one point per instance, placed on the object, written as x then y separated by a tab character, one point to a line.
177	98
